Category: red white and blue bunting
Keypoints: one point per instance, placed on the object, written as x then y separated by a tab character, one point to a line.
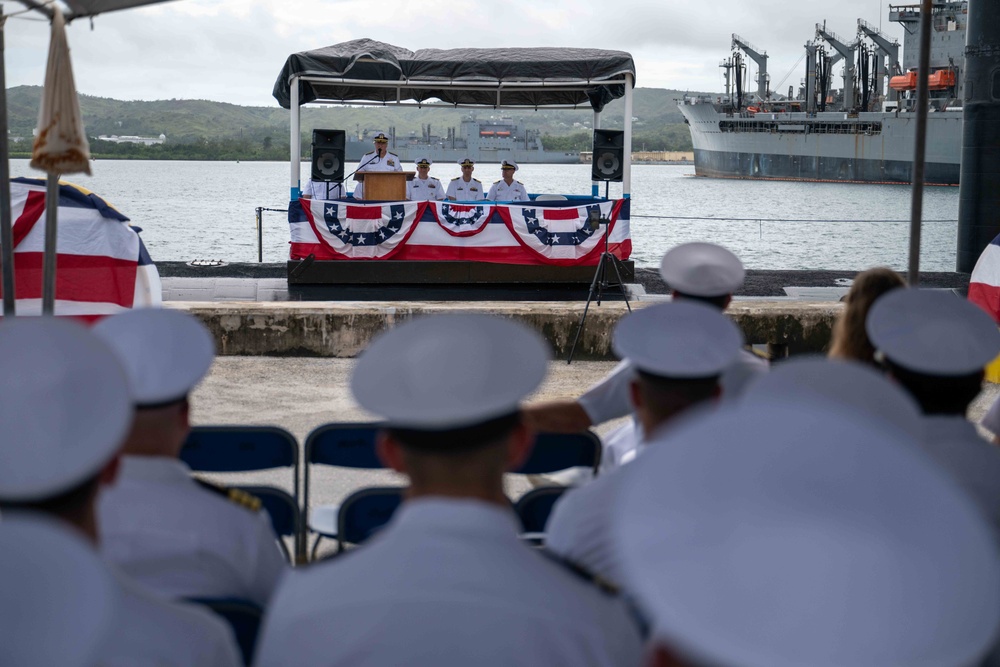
564	234
364	231
461	219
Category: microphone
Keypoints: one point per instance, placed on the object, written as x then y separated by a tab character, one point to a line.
362	166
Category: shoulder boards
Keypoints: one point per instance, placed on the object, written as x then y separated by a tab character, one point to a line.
580	572
238	496
456	178
495	182
519	182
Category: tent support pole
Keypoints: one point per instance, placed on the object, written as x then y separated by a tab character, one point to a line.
295	140
627	174
595	186
6	222
923	101
51	234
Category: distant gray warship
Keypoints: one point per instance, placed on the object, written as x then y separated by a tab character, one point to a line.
862	133
480	140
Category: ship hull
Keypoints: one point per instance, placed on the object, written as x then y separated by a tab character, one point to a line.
866	148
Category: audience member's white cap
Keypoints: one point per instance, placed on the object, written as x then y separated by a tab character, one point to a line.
678	340
932	332
57	599
449	371
165	352
855	386
423	162
508	164
792	534
65	407
702	269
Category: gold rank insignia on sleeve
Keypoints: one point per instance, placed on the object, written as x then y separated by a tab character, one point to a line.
244	499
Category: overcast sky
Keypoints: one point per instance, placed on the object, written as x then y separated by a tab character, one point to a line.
232	50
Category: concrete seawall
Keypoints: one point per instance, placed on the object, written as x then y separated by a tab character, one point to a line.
344	328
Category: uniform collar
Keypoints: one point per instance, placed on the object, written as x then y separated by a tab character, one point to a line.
155	469
440	514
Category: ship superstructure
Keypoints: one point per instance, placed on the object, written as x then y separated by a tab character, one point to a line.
863	132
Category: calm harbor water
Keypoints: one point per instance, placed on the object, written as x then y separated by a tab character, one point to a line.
206	210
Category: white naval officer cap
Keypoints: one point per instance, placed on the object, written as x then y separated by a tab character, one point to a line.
932	332
682	340
423	162
65	407
508	164
702	269
449	371
797	533
380	137
58	598
165	352
466	162
855	386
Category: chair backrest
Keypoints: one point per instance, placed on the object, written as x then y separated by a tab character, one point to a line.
239	448
243	616
364	512
534	507
350	445
282	510
547	197
559	451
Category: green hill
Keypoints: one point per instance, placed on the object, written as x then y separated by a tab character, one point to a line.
201	129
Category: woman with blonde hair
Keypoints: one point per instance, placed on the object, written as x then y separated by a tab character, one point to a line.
849	340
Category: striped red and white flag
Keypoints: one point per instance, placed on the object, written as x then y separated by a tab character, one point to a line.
984	284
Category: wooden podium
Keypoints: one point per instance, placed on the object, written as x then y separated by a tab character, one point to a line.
384	185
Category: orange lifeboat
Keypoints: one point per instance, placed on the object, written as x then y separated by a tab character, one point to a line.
943	79
906	81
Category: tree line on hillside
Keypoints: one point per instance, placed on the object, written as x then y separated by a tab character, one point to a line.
673	137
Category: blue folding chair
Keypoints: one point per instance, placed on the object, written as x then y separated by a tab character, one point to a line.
365	512
243	616
533	510
282	510
344	445
245	449
559	451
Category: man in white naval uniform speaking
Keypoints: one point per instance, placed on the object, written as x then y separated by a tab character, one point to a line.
679	351
65	409
379	159
448	582
507	189
180	537
424	187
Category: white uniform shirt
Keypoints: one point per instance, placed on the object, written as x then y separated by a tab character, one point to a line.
447	582
173	536
323	190
500	191
371	162
975	463
424	190
459	190
153	632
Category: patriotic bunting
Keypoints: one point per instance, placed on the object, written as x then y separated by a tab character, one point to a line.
462	219
102	266
984	283
363	231
547	232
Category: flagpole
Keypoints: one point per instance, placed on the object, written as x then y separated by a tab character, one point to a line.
51	235
6	222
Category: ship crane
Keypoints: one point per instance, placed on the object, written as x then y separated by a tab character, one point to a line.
890	49
759	57
847	51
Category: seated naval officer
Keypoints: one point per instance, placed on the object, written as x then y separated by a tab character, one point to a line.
65	407
937	345
424	187
379	159
797	533
57	598
178	536
697	271
679	350
323	190
507	189
465	187
448	581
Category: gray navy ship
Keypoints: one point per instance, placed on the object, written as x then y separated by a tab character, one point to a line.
481	140
863	132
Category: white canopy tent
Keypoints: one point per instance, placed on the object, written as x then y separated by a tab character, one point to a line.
71	9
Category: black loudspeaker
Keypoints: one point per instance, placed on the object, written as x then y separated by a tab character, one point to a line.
328	155
609	155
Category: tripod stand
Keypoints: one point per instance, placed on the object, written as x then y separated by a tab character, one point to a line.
600	282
